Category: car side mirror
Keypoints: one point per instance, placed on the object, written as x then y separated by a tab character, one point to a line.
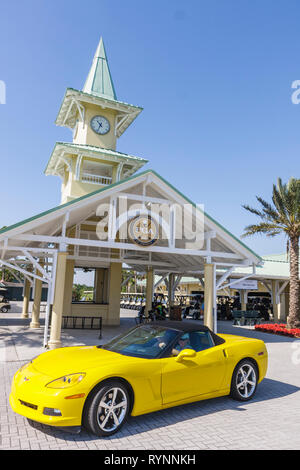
185	354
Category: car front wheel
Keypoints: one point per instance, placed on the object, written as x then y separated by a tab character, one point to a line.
244	381
107	409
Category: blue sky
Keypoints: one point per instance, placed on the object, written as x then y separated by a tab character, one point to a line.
214	78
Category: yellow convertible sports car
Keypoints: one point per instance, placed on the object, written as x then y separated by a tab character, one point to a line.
148	368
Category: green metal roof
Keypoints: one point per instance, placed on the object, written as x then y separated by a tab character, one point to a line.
279	258
273	268
99	81
91	95
67	114
112	100
91	150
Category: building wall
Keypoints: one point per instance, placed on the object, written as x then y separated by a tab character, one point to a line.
73	188
86	135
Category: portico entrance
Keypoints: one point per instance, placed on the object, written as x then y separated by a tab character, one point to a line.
173	236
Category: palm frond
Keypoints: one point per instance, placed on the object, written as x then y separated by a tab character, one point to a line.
294	189
283	216
254	211
262	228
269	211
282	200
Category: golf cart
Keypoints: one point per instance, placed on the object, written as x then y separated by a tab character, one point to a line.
4	302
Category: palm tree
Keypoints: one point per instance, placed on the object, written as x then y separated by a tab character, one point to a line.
283	217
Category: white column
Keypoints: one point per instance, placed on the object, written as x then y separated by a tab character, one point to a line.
281	308
275	299
58	305
35	321
26	298
114	293
244	298
210	306
149	291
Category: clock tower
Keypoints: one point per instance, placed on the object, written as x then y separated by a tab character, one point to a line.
97	119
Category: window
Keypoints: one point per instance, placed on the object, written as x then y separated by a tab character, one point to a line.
144	341
197	340
96	172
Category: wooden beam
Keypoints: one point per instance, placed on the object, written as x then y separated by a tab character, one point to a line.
126	246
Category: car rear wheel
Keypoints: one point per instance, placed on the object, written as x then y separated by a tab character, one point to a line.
244	380
107	409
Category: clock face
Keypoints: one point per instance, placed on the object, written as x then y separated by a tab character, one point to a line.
100	125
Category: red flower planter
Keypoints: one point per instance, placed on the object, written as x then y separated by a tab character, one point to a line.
278	329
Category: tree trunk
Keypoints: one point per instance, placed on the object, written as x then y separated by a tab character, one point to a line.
293	320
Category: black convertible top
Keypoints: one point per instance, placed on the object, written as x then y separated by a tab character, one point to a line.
185	327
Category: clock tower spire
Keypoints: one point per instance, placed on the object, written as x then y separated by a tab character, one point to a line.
97	119
99	81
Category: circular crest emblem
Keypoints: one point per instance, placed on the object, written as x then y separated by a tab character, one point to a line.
143	230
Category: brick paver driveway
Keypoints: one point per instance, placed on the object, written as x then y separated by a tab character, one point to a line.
270	421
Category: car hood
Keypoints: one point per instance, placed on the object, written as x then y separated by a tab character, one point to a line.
61	361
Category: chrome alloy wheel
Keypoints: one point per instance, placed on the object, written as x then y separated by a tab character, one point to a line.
246	380
112	409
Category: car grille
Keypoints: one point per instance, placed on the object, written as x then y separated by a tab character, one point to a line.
29	405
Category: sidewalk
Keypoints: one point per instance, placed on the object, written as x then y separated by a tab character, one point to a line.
18	342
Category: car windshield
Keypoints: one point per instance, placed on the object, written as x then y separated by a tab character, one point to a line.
144	341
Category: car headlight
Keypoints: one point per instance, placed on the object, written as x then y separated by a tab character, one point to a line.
66	381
